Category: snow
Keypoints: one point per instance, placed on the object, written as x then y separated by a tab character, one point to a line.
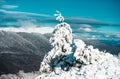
73	59
59	16
105	69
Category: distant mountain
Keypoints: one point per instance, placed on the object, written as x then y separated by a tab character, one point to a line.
21	51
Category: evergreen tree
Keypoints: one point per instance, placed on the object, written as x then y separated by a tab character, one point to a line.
61	41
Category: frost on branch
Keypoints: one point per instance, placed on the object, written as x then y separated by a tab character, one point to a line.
59	16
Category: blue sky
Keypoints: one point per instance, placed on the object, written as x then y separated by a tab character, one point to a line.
93	17
105	10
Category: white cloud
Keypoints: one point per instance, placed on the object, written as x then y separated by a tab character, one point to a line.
27	23
20	75
107	36
41	30
118	35
93	37
9	6
29	27
85	29
24	13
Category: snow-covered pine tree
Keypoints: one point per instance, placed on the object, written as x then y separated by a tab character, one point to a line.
62	42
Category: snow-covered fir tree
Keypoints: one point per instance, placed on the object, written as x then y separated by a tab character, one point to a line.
73	59
62	42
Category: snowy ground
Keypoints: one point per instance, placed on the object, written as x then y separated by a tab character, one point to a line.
107	68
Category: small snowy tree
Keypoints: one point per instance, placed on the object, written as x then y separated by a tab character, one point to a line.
61	41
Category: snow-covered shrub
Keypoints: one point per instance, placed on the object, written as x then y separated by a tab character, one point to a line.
85	54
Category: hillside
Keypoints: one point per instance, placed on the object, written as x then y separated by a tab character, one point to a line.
21	51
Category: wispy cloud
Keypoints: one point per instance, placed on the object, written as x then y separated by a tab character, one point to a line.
28	26
79	20
86	29
51	19
41	30
83	28
24	13
9	6
85	25
2	0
